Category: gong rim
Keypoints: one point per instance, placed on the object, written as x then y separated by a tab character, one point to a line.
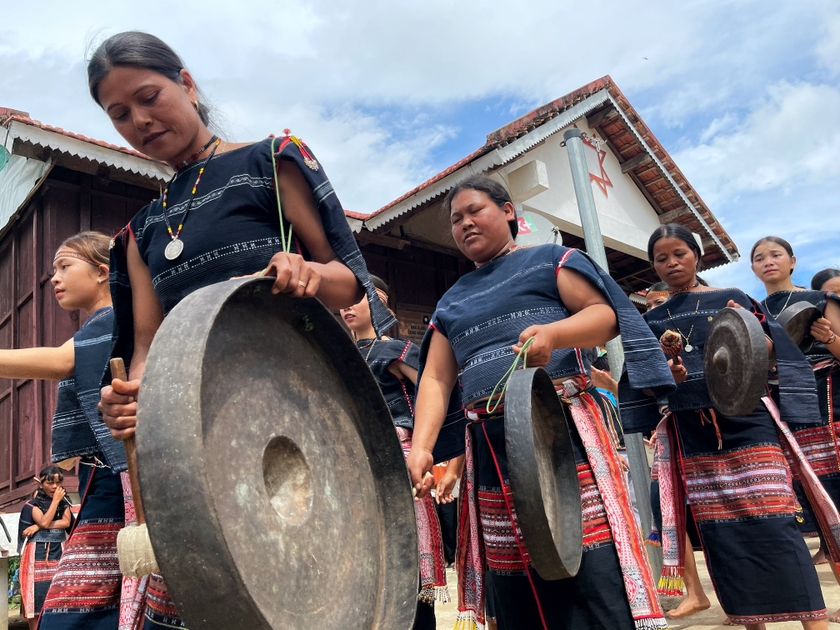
735	362
796	319
543	474
202	554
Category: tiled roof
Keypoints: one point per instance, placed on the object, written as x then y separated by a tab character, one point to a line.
609	111
11	115
36	132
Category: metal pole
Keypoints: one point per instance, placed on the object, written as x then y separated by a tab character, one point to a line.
639	469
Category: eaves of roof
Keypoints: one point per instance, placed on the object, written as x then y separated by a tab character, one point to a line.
662	182
18	126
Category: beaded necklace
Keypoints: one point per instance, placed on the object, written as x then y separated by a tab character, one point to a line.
196	155
696	284
688	347
176	245
370	345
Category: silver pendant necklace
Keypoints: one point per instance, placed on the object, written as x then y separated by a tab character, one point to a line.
787	301
688	347
175	246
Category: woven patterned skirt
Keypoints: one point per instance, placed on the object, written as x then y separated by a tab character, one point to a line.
738	487
88	592
595	598
38	565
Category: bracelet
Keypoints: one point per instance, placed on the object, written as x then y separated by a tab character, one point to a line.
831	340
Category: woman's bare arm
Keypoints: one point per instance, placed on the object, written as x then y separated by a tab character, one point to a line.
119	400
48	363
403	370
326	276
439	377
827	328
592	322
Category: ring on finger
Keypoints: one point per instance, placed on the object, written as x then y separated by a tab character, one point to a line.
302	283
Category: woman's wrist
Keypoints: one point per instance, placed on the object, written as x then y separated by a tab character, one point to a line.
830	340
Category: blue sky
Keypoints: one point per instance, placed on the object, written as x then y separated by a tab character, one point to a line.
741	93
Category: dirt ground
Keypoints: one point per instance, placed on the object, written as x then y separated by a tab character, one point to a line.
707	620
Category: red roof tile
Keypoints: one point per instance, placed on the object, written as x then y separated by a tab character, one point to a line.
8	115
623	139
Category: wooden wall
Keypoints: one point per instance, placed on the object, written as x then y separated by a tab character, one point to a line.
417	278
67	203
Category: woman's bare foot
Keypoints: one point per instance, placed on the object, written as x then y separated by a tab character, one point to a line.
834	617
819	557
689	606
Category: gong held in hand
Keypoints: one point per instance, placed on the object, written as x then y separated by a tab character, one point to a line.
275	488
543	474
736	361
797	319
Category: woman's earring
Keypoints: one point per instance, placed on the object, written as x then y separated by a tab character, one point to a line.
195	104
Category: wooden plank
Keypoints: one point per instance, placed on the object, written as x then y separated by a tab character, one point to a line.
601	116
386	240
673	215
13	398
42	449
5	443
635	162
434	247
391	278
27	434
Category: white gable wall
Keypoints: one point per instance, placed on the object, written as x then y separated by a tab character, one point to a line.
625	215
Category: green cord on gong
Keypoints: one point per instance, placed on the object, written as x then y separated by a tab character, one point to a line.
503	382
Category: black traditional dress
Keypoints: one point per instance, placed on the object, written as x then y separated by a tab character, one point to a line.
482	316
88	592
733	472
39	554
820	443
233	230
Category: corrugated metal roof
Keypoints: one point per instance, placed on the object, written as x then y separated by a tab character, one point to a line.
20	127
660	179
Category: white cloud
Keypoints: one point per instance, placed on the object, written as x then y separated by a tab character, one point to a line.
322	68
828	49
773	172
782	144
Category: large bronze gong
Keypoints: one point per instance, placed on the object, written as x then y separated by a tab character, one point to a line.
275	488
796	319
735	362
543	474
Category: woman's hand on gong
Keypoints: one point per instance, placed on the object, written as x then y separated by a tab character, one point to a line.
821	330
118	405
293	275
539	352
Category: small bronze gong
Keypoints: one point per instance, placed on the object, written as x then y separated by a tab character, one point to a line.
543	474
735	362
796	319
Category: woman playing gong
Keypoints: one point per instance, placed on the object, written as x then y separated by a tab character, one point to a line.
87	590
773	263
216	219
731	470
560	301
